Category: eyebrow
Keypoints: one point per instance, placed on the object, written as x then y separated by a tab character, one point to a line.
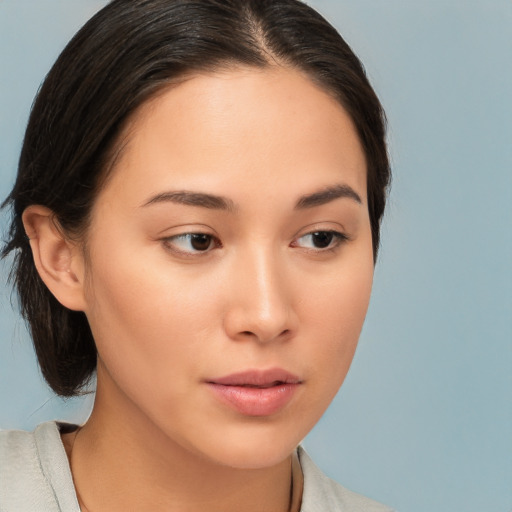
210	201
215	202
326	196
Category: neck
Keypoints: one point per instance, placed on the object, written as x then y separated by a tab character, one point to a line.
130	465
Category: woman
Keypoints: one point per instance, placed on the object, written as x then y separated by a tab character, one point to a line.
195	222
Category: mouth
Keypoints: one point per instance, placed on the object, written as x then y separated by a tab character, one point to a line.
257	378
259	386
256	392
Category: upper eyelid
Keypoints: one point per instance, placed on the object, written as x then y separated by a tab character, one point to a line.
339	236
322	230
339	231
185	229
326	225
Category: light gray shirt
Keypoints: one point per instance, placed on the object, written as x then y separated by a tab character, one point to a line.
35	477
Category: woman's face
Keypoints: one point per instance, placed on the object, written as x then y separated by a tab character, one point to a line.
229	265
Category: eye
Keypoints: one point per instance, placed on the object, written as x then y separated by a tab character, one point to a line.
321	240
192	243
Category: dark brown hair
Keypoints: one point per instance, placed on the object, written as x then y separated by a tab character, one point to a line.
125	54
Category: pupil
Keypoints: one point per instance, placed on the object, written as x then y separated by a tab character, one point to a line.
200	242
322	239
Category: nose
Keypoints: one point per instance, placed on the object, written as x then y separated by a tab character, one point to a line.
260	300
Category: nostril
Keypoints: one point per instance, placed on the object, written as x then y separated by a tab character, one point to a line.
285	332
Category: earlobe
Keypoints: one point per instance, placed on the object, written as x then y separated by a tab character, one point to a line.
58	260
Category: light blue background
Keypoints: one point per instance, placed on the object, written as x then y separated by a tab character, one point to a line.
424	420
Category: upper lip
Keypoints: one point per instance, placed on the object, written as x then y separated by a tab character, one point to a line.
257	378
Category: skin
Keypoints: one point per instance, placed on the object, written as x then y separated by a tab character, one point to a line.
166	317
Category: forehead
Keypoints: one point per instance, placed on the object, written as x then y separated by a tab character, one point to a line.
237	127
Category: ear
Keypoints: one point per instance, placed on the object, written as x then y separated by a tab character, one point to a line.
58	260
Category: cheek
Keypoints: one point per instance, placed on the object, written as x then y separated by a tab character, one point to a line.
337	311
140	309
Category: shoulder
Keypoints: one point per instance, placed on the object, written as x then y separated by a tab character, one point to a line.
321	494
34	472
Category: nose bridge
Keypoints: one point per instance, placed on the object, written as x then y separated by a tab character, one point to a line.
261	305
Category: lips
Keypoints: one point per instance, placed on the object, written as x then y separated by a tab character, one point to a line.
255	392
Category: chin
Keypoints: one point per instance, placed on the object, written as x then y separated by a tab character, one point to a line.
252	446
255	457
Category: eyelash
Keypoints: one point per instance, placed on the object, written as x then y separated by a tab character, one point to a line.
214	242
334	243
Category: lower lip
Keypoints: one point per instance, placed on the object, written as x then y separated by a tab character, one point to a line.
252	401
